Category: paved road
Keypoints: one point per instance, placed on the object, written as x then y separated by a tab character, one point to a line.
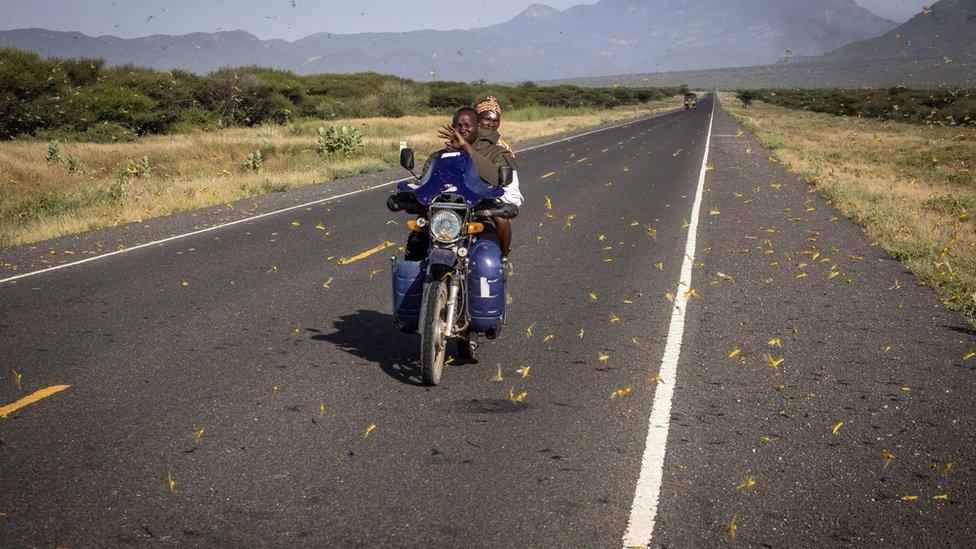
283	358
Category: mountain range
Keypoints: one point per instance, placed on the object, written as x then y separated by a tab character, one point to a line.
936	47
606	38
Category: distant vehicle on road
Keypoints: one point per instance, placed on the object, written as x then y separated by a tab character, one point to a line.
691	101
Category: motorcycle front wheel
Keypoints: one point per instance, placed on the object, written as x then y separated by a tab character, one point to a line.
433	336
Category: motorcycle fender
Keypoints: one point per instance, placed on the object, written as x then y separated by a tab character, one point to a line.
439	256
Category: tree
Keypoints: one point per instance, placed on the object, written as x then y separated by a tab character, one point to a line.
747	97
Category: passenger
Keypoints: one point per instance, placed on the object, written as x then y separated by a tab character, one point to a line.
489	119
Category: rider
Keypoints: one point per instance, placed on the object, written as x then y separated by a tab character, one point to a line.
489	119
463	134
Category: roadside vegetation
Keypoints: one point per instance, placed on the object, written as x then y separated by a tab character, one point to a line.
82	100
944	107
911	187
53	188
83	146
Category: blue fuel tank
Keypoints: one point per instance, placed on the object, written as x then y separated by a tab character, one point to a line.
408	293
486	286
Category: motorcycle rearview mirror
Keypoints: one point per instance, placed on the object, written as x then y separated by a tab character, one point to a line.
505	176
407	158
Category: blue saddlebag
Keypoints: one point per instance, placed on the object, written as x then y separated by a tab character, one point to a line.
486	286
408	292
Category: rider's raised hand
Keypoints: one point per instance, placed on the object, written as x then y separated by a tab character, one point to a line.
452	137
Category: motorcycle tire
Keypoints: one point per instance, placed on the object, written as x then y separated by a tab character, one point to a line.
433	340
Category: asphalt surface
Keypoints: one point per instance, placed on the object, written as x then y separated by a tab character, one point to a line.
285	359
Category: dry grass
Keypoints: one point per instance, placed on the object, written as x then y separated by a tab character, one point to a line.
41	200
912	187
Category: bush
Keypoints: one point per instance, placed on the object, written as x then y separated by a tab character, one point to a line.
254	162
289	86
124	107
107	132
43	204
171	93
53	153
80	99
343	140
113	194
942	107
195	118
362	107
72	162
448	96
397	99
238	97
75	165
135	168
102	132
747	97
329	107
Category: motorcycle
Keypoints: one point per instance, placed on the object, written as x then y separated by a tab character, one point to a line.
458	291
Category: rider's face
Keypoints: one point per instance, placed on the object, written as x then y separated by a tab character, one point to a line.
466	124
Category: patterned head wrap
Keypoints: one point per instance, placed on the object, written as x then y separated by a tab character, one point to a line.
490	104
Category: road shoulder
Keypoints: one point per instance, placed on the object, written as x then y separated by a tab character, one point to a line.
797	385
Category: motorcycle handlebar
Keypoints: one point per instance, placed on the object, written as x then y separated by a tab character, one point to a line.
507	211
405	202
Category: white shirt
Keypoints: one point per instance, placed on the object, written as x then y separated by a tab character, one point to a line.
512	193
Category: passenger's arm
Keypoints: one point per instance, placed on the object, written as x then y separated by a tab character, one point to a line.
487	169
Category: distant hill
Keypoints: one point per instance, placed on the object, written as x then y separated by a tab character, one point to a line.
936	47
609	37
660	35
945	33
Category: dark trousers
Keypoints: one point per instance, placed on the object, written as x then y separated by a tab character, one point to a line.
417	246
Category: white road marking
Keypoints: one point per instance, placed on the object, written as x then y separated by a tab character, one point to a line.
643	511
298	206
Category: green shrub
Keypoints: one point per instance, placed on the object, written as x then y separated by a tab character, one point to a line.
135	168
942	107
71	162
329	107
361	107
254	162
113	194
195	118
53	153
239	97
82	100
268	187
75	165
396	99
338	140
44	203
107	132
747	97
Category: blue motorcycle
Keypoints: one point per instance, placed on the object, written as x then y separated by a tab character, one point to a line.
458	291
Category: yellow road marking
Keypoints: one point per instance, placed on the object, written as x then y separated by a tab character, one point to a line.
367	253
31	399
550	174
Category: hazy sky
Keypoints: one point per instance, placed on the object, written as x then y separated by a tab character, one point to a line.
290	19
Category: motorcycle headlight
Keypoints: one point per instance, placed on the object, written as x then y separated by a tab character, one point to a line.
445	226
